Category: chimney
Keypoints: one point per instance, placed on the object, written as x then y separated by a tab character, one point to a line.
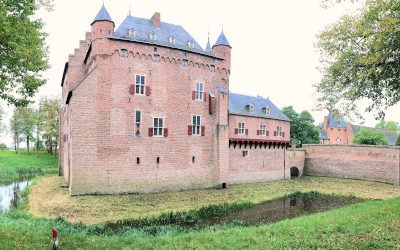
156	19
325	122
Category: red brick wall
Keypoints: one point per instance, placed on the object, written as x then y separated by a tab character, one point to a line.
354	162
262	164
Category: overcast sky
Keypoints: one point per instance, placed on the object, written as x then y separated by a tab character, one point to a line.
273	52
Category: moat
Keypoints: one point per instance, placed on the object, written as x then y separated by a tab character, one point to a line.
11	194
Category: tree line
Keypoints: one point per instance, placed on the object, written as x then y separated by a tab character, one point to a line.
37	126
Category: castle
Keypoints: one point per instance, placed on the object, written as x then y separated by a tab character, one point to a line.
146	109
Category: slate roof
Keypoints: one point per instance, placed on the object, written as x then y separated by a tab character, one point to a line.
391	136
336	123
222	40
208	46
237	106
102	15
143	27
322	133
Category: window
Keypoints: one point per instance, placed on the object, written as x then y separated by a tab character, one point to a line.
245	153
140	82
266	110
172	39
132	32
250	107
124	53
158	128
196	125
152	36
199	93
138	121
279	131
137	160
241	128
263	129
193	159
190	43
158	160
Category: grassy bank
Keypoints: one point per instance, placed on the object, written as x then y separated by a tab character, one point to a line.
47	198
370	225
16	166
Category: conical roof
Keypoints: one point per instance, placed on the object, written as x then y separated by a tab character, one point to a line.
102	15
222	40
208	46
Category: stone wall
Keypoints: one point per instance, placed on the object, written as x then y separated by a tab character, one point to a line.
374	163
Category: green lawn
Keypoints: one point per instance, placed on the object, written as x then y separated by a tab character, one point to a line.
16	166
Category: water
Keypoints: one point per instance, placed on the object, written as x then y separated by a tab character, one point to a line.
10	194
281	209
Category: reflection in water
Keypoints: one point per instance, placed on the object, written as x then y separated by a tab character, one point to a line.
10	194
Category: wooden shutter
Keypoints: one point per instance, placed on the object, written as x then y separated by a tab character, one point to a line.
190	130
132	89
283	134
267	133
193	95
210	106
205	96
246	131
275	133
203	130
236	131
258	132
148	90
165	132
150	131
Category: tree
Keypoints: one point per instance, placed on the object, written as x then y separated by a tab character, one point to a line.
28	123
16	126
50	126
360	60
23	52
398	140
302	129
1	120
388	125
369	137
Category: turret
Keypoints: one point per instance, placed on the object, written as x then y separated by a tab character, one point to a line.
102	25
221	48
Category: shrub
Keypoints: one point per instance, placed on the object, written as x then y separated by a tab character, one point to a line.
3	146
369	137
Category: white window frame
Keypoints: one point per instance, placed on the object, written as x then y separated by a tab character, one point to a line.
138	123
199	91
140	88
267	110
241	129
158	128
196	125
263	129
279	131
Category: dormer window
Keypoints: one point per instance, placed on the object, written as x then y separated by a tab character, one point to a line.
152	36
266	110
172	39
132	32
190	44
250	107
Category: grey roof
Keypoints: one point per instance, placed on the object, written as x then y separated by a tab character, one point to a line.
143	27
102	15
238	103
322	133
336	123
208	46
222	40
391	136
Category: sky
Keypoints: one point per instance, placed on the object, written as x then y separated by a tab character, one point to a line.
273	53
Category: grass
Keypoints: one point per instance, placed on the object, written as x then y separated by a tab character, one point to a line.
47	198
369	225
18	166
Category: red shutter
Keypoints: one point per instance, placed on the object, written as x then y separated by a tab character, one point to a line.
275	133
150	131
205	96
148	90
283	134
190	130
132	89
267	133
210	106
203	130
165	132
236	131
258	132
193	95
246	131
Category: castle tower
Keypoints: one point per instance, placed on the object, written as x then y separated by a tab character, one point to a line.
222	49
102	25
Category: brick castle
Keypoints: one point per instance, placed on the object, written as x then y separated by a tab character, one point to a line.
146	109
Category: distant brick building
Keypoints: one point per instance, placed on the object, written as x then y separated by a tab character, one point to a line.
146	109
338	131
